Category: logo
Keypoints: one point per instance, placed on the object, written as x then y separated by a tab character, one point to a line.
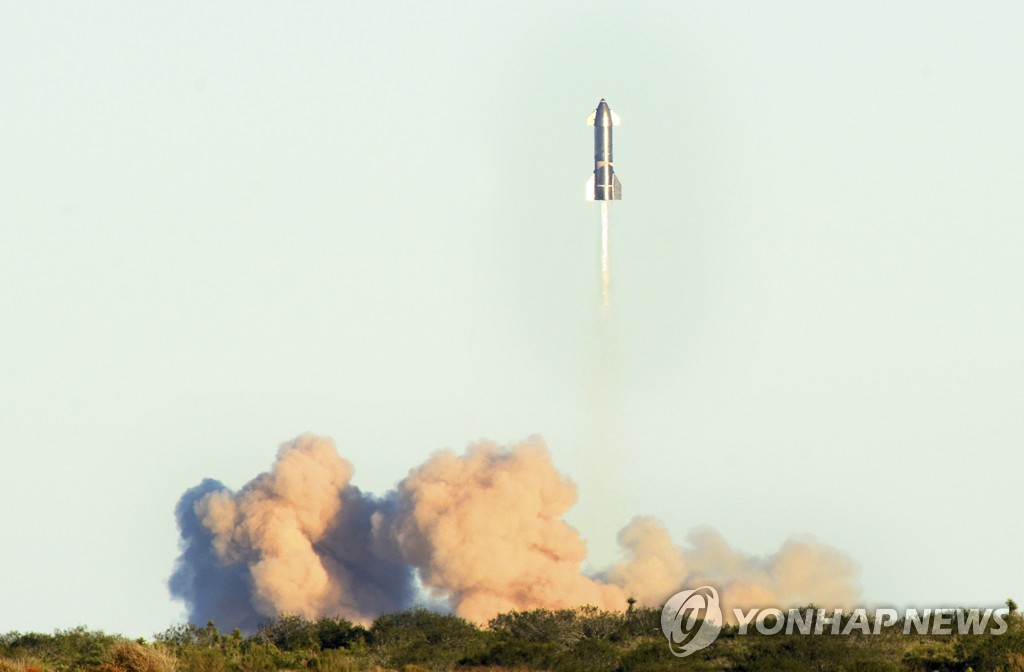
691	620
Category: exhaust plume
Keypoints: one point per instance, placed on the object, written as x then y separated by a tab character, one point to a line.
294	540
211	589
485	530
482	531
800	572
606	274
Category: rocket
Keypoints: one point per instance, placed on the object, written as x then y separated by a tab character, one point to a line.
603	185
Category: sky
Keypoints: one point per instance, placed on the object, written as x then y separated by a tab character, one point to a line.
226	224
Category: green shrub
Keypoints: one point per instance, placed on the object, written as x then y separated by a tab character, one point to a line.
518	654
931	656
255	656
589	656
337	633
562	627
64	650
421	637
205	660
651	656
290	632
874	666
339	660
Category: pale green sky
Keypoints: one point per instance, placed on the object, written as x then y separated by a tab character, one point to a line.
223	225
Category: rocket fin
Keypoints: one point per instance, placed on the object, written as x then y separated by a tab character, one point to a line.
592	118
590	188
616	121
616	188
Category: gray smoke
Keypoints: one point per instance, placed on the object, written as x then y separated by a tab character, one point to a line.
211	589
297	539
483	531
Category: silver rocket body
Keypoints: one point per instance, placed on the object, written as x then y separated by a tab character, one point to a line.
603	184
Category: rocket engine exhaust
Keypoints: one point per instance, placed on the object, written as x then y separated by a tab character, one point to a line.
606	274
482	530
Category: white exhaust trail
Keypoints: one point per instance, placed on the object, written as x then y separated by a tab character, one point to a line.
606	274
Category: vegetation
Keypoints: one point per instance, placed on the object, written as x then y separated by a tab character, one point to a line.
567	640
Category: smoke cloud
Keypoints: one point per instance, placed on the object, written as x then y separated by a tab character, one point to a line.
800	572
485	530
211	588
482	531
295	540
